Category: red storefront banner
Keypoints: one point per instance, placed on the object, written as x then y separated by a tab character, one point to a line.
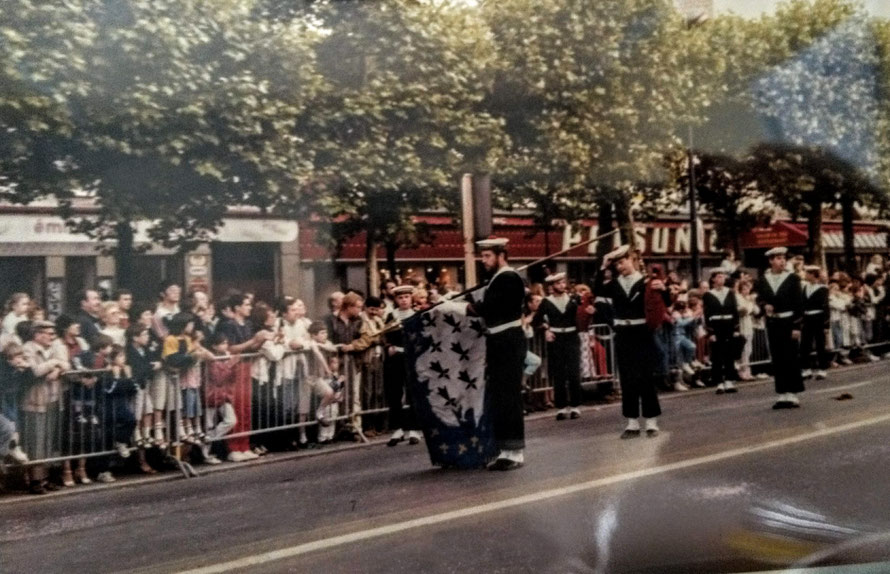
658	239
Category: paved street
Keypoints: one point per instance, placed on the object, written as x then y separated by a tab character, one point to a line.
729	485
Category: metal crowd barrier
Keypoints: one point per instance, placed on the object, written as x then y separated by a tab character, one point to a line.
598	366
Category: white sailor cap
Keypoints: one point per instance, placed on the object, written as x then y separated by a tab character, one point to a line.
554	277
716	270
777	251
616	254
403	290
492	243
812	269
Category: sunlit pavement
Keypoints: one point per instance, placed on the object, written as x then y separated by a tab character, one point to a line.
728	485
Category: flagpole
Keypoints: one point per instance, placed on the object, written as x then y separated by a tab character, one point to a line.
464	293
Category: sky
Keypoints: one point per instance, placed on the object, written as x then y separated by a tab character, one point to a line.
756	7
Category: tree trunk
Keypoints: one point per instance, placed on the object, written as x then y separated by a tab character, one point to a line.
604	222
625	221
814	233
123	255
371	275
391	259
849	239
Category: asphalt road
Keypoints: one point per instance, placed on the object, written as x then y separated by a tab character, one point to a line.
729	485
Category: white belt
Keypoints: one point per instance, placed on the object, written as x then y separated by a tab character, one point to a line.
563	329
813	312
399	349
783	315
628	322
606	300
504	326
721	318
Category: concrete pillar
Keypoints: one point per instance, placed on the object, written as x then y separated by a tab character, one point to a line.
54	290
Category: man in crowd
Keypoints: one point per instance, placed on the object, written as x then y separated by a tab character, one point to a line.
124	300
815	324
501	308
168	306
371	345
89	314
559	311
344	329
623	303
780	297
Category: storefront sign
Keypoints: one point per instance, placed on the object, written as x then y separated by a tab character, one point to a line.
651	238
52	229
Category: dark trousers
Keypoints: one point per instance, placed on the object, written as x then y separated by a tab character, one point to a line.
812	336
784	352
563	369
635	350
722	356
394	387
504	358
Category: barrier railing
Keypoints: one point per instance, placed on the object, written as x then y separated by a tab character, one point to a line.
254	400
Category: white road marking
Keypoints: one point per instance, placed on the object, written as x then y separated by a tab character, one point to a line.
845	387
327	543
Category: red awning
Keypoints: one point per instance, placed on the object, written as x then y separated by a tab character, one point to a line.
866	236
778	234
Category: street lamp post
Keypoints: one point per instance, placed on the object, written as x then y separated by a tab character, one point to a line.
693	216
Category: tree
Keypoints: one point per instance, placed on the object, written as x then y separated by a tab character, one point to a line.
171	111
593	94
400	116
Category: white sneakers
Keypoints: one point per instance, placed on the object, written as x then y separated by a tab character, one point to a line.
820	375
236	456
687	368
106	477
806	373
122	449
678	386
414	437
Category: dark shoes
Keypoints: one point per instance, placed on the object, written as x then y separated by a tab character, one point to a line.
504	464
561	416
651	433
628	433
394	441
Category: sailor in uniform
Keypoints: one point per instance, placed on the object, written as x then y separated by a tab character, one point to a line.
779	295
622	303
722	325
501	308
559	311
815	324
401	420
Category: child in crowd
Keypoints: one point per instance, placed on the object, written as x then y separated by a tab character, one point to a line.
157	386
118	390
219	396
329	409
144	362
180	356
317	376
15	379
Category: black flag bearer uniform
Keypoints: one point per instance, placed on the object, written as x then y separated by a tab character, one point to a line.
501	308
722	324
816	319
783	292
559	313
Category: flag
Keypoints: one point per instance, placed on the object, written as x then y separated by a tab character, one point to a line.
445	351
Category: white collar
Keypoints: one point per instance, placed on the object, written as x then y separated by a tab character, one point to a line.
500	270
720	294
628	281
